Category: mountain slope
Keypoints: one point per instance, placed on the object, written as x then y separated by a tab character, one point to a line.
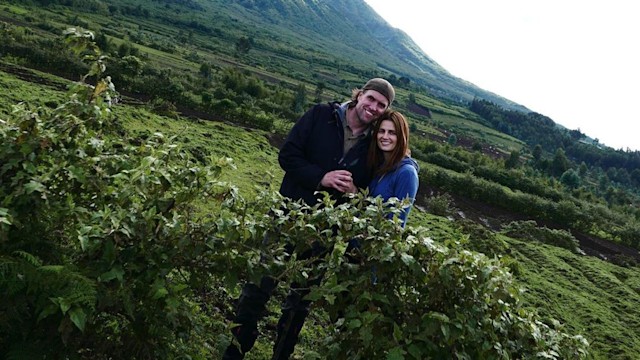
354	30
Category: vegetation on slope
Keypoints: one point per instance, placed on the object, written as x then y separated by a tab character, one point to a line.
104	253
206	74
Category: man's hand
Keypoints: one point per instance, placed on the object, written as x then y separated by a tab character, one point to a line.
340	180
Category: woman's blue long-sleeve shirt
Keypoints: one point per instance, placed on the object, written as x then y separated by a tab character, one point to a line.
399	183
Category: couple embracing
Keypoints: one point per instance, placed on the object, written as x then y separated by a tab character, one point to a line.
337	148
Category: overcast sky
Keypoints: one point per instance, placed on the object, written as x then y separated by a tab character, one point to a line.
576	62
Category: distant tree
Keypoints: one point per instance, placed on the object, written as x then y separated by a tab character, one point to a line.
412	98
299	99
513	161
243	45
232	79
255	87
537	153
126	48
571	179
404	81
131	66
612	174
582	170
205	71
623	176
635	176
206	98
452	140
103	42
320	86
560	163
603	182
166	86
576	134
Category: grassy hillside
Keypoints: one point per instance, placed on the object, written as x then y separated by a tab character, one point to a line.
588	295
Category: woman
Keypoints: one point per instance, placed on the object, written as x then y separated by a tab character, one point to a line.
395	172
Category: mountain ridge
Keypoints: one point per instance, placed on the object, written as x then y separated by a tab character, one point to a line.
399	54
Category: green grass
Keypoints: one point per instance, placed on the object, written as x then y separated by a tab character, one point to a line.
23	91
476	130
253	156
592	297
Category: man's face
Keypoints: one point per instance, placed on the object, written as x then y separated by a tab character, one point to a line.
371	104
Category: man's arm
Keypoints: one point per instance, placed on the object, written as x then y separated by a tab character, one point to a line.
292	157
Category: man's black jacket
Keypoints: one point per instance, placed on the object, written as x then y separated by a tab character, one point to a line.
313	148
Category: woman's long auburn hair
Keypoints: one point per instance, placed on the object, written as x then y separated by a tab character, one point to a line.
375	158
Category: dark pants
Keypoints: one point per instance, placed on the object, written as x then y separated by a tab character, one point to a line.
251	308
354	255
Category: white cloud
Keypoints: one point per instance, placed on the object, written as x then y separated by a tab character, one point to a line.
573	61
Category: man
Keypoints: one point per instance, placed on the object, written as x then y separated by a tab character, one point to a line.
326	150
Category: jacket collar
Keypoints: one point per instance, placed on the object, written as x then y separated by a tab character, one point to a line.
342	116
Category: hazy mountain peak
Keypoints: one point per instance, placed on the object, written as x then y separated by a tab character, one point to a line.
358	33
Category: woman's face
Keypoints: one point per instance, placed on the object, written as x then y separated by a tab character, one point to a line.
386	136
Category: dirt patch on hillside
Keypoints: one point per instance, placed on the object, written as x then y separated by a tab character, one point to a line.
276	140
32	77
494	218
419	109
607	250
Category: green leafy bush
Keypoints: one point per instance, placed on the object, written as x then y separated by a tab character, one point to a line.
100	244
440	204
446	161
428	300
